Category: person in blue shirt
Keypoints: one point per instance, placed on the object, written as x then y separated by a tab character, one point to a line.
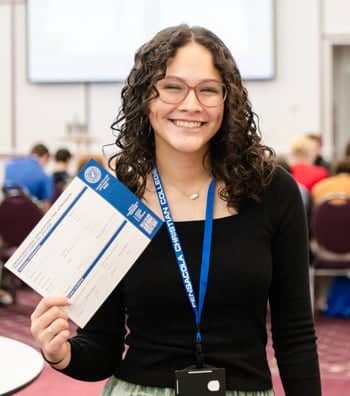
29	173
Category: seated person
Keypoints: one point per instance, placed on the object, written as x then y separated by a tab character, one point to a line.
305	196
302	167
339	183
60	175
347	150
29	173
316	141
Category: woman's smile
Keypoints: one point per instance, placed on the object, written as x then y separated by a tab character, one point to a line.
188	124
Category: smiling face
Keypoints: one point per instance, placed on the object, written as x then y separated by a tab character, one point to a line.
188	126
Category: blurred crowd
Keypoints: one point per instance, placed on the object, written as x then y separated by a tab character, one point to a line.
31	184
28	175
321	181
316	176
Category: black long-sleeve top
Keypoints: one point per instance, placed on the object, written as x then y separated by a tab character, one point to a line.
258	256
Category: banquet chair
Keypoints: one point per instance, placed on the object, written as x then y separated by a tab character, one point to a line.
330	238
18	216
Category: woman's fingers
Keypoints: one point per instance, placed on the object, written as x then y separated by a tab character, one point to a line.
56	348
56	343
50	327
48	320
47	333
42	323
47	302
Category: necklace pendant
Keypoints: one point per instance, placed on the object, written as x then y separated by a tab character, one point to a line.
194	196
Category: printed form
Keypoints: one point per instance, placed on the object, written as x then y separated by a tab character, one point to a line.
86	242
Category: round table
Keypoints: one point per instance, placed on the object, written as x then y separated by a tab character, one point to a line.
20	364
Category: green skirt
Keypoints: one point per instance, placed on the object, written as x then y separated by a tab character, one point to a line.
117	387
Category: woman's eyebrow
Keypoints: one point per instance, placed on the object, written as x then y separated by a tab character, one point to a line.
199	81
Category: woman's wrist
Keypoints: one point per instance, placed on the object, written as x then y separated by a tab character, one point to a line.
59	364
52	363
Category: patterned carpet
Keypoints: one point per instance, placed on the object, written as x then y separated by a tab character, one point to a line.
333	344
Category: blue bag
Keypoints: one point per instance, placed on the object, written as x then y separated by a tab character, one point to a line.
338	302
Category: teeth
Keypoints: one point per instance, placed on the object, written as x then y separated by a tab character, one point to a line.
187	124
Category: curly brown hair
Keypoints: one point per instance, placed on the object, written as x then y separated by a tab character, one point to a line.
237	156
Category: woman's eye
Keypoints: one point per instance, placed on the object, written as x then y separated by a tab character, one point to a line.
209	90
172	87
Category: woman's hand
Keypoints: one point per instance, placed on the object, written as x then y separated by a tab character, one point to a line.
50	328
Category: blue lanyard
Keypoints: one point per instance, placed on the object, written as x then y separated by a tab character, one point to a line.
180	257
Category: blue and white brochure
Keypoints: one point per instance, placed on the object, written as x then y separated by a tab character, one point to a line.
86	242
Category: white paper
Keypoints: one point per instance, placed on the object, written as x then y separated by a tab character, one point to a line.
86	242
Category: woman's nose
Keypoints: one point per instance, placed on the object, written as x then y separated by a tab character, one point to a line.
190	102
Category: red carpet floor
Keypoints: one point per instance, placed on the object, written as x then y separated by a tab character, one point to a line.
333	343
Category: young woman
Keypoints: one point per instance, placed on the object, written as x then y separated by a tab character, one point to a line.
234	240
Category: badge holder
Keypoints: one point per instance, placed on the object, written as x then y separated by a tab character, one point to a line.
205	381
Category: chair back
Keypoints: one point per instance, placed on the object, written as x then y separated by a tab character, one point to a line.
14	191
330	224
18	216
330	236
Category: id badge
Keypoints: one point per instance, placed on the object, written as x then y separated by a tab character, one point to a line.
207	381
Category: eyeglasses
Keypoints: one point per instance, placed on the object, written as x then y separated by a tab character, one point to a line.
174	90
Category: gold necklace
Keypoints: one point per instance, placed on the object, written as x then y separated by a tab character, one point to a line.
195	195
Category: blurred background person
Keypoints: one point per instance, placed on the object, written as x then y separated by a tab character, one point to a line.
339	183
302	157
316	147
60	175
347	150
29	174
305	195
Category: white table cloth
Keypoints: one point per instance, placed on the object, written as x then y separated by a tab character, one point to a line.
20	364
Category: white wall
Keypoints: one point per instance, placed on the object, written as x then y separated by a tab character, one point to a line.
336	16
341	89
42	111
5	76
288	105
335	44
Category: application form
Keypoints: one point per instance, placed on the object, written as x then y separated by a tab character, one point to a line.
86	242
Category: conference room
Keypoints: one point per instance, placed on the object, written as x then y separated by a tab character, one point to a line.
79	194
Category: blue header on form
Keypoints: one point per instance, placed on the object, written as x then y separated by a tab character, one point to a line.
120	197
